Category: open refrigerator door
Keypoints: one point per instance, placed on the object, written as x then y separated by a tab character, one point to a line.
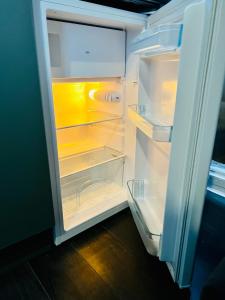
177	71
151	116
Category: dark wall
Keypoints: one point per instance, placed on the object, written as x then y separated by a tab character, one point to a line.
139	6
25	196
211	242
219	146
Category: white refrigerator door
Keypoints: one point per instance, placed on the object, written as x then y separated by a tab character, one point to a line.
200	84
173	154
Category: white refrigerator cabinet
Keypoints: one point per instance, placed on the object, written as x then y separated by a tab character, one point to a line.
146	134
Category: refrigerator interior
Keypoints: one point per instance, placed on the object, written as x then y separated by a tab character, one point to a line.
152	116
113	130
90	142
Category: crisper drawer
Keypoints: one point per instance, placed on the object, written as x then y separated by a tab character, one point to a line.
82	51
91	192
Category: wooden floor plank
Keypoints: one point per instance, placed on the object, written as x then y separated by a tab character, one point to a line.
123	228
21	252
107	262
21	283
66	275
121	270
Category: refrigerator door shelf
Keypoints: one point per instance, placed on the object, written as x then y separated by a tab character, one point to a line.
143	120
151	240
163	39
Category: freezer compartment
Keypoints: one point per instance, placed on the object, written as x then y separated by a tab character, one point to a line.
162	39
143	216
92	192
141	117
78	50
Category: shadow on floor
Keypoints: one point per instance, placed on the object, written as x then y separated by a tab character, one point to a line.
107	261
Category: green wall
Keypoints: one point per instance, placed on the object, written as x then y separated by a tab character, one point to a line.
25	196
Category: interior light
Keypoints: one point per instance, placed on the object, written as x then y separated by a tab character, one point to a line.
92	94
74	100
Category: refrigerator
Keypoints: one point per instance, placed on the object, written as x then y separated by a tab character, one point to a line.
130	106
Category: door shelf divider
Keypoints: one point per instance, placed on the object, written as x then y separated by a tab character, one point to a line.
83	161
156	132
136	189
90	118
150	239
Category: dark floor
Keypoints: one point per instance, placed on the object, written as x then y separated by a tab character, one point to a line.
108	261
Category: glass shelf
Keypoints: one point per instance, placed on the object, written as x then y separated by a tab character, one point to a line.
91	117
85	79
86	160
78	146
142	119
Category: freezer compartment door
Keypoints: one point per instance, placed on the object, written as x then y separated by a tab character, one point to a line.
78	51
200	83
